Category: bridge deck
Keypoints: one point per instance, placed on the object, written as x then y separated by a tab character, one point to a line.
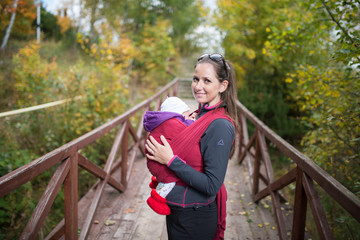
127	215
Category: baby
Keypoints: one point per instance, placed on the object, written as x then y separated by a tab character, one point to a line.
172	119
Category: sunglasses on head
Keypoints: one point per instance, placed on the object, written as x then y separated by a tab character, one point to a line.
216	57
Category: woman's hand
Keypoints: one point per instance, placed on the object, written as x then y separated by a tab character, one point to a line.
159	153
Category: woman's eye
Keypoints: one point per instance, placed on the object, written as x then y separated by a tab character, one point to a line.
207	80
195	79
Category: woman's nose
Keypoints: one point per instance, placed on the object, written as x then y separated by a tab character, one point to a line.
197	85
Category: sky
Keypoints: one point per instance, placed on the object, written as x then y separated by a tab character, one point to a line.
50	5
210	4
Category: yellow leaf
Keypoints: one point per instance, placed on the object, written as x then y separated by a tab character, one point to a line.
251	54
109	222
264	51
288	80
129	210
266	224
260	225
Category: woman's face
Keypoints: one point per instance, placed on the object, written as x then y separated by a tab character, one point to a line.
206	88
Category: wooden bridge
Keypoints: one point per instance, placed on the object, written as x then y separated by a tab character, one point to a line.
115	207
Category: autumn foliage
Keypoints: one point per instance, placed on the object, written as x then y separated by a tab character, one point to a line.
297	65
298	68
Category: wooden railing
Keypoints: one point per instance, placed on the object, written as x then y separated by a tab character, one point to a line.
255	151
69	159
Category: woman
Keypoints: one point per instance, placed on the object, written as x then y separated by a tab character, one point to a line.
197	202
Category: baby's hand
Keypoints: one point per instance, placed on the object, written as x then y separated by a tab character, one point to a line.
193	116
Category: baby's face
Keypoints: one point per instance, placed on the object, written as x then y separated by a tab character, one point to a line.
186	114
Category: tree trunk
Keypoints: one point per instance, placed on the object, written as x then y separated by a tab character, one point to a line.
94	6
38	14
8	30
92	21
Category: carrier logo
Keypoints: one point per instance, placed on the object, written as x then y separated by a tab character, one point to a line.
221	142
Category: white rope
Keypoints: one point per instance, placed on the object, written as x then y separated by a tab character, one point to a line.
34	108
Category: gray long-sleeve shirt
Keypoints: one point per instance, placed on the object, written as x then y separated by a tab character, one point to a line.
215	146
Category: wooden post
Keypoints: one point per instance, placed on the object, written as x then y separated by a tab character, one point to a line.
256	173
175	89
158	104
239	139
71	199
300	206
43	207
124	155
317	209
244	137
275	196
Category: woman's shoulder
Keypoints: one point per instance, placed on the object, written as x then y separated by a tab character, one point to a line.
221	125
222	122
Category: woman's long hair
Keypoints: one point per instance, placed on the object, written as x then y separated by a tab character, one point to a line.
229	96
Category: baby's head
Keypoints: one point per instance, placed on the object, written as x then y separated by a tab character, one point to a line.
176	105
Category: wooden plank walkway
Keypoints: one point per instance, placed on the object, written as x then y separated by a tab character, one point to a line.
127	215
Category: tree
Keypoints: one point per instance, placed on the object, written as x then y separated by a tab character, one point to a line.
8	29
302	57
157	30
327	93
49	25
131	17
25	14
91	8
266	40
345	18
